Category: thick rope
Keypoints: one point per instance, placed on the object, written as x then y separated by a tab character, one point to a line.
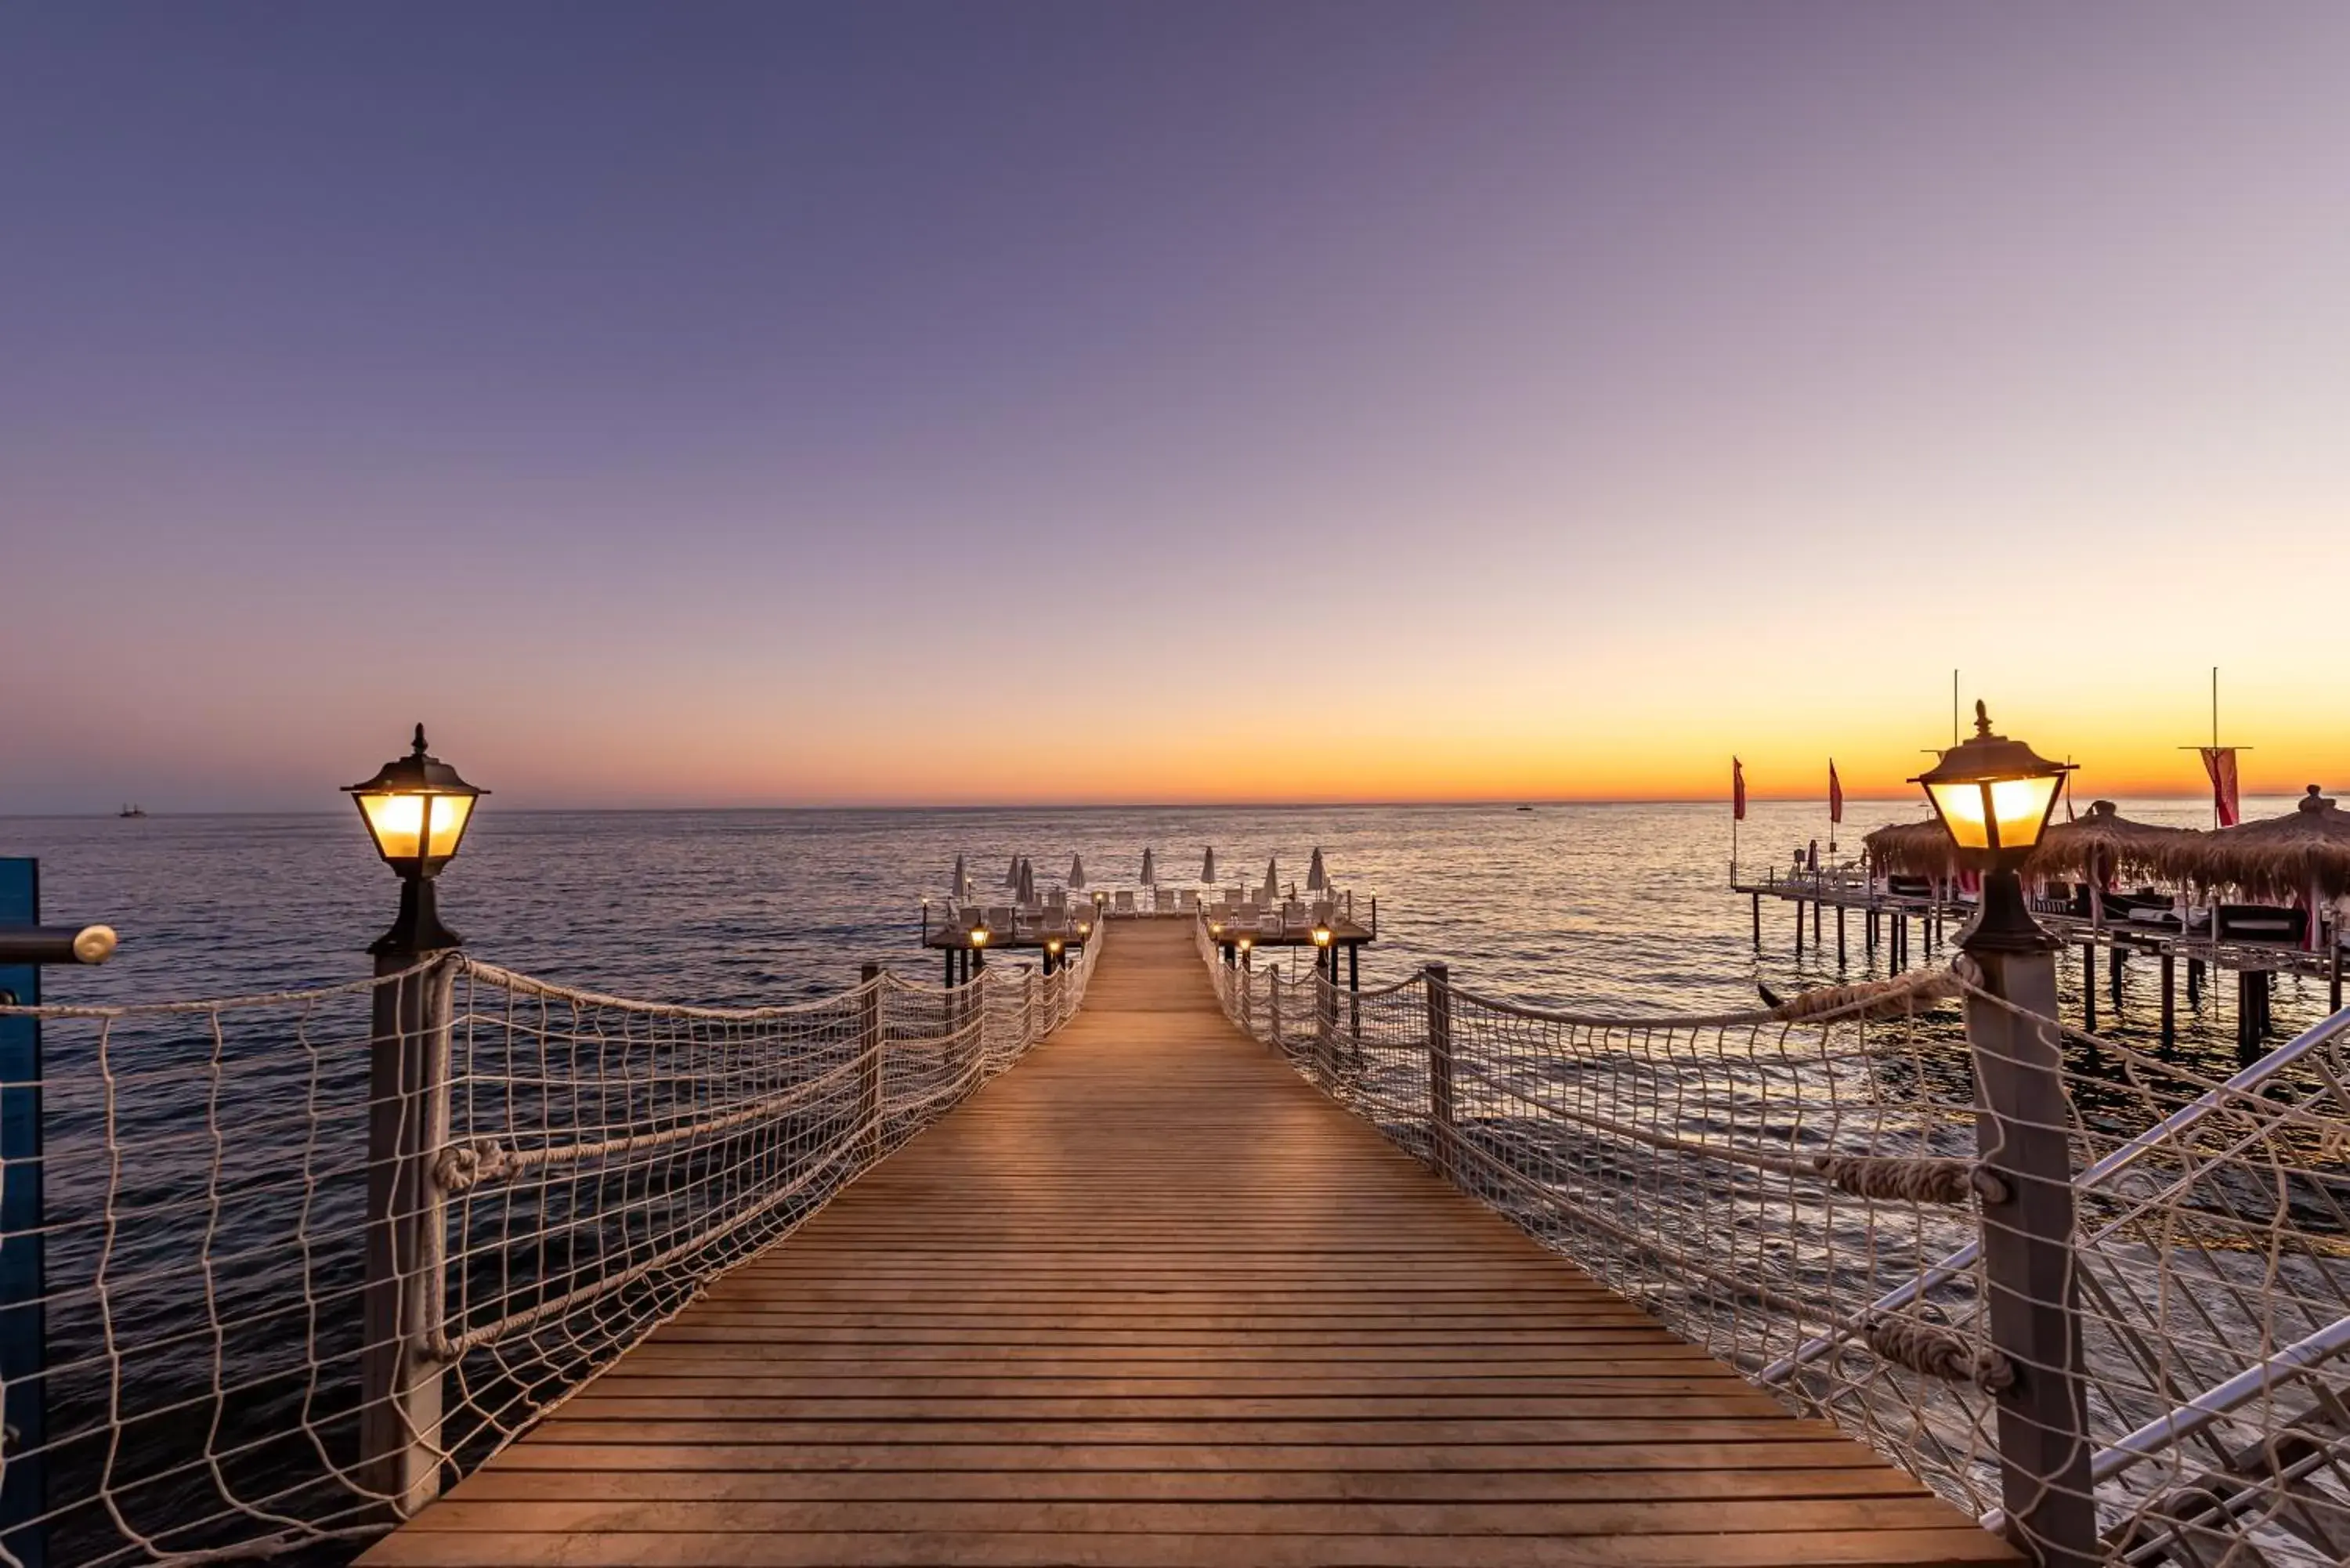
1936	1352
1903	1180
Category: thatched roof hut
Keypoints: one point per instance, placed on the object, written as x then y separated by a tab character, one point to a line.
2278	860
1913	849
2104	844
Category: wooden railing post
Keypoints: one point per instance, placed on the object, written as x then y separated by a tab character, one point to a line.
1273	993
408	1124
1441	1134
1325	1025
2022	1130
868	1067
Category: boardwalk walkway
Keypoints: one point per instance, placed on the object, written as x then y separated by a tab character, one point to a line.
1150	1299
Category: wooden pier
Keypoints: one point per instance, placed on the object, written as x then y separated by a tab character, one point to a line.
1884	926
1149	1298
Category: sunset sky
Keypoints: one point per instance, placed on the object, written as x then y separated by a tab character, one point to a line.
769	404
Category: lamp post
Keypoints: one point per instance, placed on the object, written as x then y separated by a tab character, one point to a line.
1052	954
1325	999
979	939
1994	797
416	809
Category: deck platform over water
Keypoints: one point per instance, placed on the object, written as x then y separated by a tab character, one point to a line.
1149	1298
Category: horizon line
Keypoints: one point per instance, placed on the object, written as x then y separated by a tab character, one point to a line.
1355	804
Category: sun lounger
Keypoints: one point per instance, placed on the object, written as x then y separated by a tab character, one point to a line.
1125	905
2262	923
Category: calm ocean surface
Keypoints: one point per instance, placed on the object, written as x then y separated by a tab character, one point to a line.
1616	909
1599	907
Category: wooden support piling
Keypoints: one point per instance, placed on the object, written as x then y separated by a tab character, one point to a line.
1816	922
1839	936
2088	985
1799	928
2170	999
1758	921
2194	982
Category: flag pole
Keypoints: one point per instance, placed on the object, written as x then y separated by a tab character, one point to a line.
2217	757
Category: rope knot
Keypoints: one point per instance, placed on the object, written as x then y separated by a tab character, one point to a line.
1897	1179
1936	1352
461	1167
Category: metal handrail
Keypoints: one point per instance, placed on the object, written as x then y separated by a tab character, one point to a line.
2179	1121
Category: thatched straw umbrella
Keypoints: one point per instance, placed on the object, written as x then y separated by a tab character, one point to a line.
1913	849
2304	853
2102	845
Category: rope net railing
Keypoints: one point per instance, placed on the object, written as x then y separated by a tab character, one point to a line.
262	1328
1807	1194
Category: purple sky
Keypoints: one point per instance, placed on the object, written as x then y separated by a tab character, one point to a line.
764	403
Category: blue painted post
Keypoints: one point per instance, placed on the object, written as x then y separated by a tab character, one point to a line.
24	1348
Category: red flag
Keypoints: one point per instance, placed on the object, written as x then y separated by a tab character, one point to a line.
2220	762
1737	790
1835	793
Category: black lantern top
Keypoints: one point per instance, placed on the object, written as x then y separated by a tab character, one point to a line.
1993	795
416	809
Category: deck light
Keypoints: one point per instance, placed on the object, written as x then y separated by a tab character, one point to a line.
1215	928
1084	929
1053	945
1994	797
979	935
1321	933
416	809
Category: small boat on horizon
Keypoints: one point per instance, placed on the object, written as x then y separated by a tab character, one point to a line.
131	811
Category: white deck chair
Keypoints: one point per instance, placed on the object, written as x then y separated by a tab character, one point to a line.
1125	905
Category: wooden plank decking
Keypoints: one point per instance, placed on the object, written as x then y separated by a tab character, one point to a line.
1150	1299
